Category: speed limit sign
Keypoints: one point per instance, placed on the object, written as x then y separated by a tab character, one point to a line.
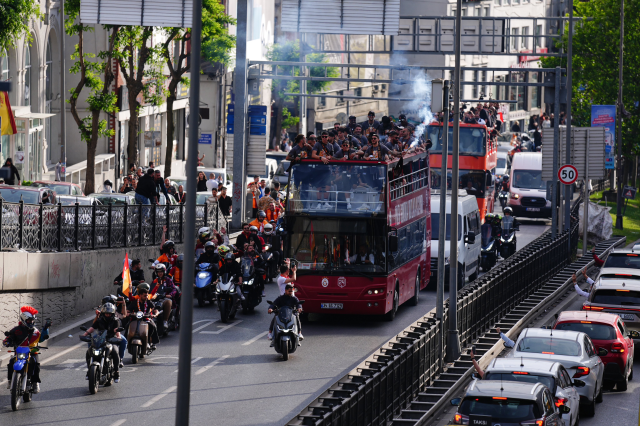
567	174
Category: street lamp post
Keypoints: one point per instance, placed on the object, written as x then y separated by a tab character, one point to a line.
621	114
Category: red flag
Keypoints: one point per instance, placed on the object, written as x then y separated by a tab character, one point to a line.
126	277
501	118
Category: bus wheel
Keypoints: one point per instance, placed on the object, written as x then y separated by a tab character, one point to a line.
390	316
416	295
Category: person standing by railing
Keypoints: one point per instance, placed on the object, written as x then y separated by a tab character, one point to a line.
146	190
13	173
224	202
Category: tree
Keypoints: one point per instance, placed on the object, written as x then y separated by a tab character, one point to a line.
15	16
290	51
596	65
95	75
216	45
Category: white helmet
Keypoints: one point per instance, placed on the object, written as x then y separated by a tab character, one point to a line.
268	229
161	267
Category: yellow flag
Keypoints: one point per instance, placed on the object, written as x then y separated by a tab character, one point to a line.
6	116
126	277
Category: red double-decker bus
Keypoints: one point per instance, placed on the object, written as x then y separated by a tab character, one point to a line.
360	233
478	159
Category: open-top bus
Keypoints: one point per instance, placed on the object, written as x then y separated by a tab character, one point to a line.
478	159
360	233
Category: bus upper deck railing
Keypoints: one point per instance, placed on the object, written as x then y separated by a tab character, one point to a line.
47	227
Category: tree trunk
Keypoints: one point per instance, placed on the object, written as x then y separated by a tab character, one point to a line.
170	131
132	143
90	183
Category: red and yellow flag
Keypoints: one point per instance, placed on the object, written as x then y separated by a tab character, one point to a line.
6	116
126	277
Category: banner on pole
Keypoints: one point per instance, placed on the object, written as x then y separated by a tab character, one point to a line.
605	116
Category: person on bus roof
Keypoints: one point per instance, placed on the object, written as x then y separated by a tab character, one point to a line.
376	151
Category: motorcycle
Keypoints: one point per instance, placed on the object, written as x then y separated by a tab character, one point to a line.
204	283
503	197
227	297
270	262
250	289
174	317
138	337
285	332
21	385
488	250
101	365
508	239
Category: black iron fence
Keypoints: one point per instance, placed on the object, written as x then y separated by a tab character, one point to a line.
46	227
414	360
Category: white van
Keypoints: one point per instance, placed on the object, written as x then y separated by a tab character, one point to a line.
527	190
468	238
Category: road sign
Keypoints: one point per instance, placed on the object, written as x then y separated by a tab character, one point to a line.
567	174
629	192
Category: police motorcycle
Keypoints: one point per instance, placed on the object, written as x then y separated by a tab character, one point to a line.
250	288
227	297
101	365
489	246
285	331
508	241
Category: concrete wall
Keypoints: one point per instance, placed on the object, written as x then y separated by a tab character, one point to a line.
61	285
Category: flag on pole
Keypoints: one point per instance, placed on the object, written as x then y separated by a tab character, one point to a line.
6	116
126	277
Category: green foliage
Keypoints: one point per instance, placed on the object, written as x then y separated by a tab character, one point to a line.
596	64
26	183
216	40
15	16
287	119
290	52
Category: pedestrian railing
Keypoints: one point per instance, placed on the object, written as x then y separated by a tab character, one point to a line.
47	227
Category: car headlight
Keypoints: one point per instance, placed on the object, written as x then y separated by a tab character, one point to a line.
96	352
515	196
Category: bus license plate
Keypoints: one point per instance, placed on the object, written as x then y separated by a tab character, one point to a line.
533	209
628	317
331	305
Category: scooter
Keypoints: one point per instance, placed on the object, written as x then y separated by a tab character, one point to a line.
508	241
227	297
488	251
101	365
138	337
285	331
252	294
174	317
21	385
204	284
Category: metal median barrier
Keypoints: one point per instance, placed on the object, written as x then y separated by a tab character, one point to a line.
384	388
49	228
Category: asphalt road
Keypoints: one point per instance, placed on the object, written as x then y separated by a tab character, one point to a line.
237	379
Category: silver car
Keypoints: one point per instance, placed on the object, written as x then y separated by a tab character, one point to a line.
574	350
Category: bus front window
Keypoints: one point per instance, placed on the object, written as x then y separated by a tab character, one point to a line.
471	180
472	140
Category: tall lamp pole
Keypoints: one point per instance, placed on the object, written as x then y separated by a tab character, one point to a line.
621	114
568	193
63	97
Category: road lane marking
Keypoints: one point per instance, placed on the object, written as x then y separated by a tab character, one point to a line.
193	362
66	351
119	422
158	397
259	336
213	364
226	327
204	326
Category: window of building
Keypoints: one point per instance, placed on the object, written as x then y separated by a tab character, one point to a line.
340	100
524	41
517	93
322	102
474	88
477	11
515	2
483	88
453	12
514	38
534	77
49	99
496	2
486	11
49	73
464	12
538	33
27	76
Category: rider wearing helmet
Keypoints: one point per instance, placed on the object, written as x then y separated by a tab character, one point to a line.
26	334
210	255
107	187
170	290
508	211
168	254
504	185
141	303
109	322
269	237
231	267
176	271
260	221
247	237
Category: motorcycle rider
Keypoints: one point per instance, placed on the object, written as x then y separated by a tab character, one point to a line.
107	321
141	303
258	263
170	297
231	267
136	272
245	237
270	237
260	221
176	271
210	254
26	334
508	212
167	254
287	299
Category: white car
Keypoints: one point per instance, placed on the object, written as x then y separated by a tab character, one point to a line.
574	350
550	373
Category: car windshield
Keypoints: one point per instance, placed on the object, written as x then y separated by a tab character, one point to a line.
115	200
201	198
337	189
14	195
594	330
509	410
435	225
472	140
471	180
60	189
617	297
502	163
337	246
523	376
528	179
549	346
71	201
178	182
622	260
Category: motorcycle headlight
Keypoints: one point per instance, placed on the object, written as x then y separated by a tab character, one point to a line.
218	288
96	352
250	282
232	290
202	275
21	356
139	314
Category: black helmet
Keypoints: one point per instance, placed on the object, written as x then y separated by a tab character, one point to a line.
209	244
253	229
229	256
108	182
261	215
167	246
505	178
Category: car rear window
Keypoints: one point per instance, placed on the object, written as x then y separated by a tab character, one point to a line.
523	377
14	196
549	345
509	410
617	297
622	260
594	330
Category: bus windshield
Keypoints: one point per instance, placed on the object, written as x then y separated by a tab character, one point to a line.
473	140
471	180
337	189
337	246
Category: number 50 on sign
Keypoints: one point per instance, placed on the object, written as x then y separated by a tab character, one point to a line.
567	174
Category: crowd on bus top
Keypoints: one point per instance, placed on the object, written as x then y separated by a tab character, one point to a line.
370	140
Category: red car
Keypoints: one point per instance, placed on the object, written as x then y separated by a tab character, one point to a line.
609	332
61	188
